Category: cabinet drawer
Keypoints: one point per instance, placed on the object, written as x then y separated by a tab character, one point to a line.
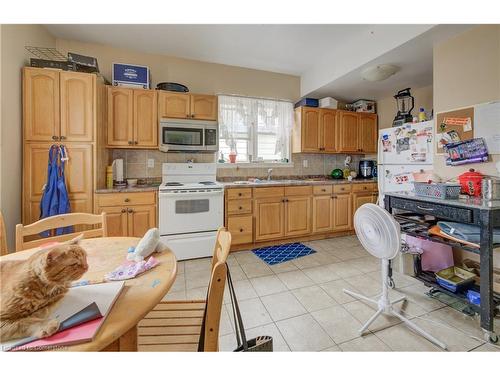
363	187
239	193
463	215
291	191
342	188
241	229
322	190
236	207
265	192
128	199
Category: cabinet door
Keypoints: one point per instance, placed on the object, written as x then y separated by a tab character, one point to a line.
328	130
241	228
342	212
269	218
322	214
79	176
145	118
140	220
368	133
298	216
174	105
204	107
77	106
120	117
310	129
116	219
78	173
41	116
361	199
348	132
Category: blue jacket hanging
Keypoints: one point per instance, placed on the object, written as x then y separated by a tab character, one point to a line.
55	197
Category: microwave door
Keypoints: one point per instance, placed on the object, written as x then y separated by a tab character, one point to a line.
183	138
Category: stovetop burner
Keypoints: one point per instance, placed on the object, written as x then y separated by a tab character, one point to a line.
207	183
173	184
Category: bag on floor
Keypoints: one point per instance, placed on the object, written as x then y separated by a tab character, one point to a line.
257	344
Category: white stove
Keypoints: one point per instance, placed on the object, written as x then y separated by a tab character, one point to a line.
191	205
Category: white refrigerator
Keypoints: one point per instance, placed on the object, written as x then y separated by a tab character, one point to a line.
403	151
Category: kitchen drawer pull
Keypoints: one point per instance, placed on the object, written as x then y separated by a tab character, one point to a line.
130	210
323	189
240	194
240	208
55	137
425	208
127	199
241	230
130	142
62	137
123	211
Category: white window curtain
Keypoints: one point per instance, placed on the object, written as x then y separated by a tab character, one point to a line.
262	125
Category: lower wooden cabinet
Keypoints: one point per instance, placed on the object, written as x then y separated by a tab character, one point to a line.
362	198
342	212
322	213
241	228
128	219
297	216
269	218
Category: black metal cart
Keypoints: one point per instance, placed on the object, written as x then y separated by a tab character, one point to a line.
470	210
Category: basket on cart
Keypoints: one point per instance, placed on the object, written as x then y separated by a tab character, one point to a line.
437	190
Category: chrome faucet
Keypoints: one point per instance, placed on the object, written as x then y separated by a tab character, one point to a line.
269	172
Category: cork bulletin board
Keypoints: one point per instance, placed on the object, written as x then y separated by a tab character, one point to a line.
454	126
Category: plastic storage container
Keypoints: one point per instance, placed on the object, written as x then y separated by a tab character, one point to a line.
455	279
328	102
437	190
474	297
307	102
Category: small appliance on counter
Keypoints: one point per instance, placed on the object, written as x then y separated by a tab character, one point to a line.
471	182
366	168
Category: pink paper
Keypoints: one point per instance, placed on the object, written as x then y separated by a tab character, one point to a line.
82	333
435	256
129	269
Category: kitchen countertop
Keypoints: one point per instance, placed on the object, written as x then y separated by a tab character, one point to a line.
265	183
127	189
463	201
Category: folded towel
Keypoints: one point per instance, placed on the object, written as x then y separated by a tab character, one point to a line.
466	232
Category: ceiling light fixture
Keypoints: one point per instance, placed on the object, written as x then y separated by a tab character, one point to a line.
379	72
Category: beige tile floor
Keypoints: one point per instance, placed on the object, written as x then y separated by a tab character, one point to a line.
300	303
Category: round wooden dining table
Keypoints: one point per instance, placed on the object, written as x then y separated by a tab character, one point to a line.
138	297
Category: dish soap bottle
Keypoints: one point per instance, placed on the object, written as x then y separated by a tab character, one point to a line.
421	115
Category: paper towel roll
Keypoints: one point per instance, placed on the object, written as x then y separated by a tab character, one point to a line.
118	170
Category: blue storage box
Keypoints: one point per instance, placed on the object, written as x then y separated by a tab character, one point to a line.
474	297
130	75
307	102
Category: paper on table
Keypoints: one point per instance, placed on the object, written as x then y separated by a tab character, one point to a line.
487	120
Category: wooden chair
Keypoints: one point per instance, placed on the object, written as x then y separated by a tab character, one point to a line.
3	237
60	221
175	326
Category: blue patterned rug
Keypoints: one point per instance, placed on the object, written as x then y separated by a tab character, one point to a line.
282	253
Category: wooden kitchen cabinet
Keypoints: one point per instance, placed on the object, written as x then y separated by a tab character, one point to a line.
348	132
128	214
298	216
145	118
322	213
186	106
360	199
77	106
132	118
342	212
203	107
269	218
78	173
120	117
306	131
368	133
241	229
328	130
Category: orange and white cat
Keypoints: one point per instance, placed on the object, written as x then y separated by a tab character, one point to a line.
29	287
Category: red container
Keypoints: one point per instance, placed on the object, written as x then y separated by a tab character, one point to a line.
471	182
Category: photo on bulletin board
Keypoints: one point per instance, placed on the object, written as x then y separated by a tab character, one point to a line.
454	126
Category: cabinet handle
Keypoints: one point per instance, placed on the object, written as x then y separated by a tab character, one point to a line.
239	194
127	199
55	137
130	142
130	210
241	230
62	137
425	208
323	189
240	208
123	210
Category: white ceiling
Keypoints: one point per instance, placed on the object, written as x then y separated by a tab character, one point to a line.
327	57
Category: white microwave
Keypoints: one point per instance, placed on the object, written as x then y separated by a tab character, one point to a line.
188	135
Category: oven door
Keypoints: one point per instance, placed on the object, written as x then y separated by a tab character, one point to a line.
190	212
178	137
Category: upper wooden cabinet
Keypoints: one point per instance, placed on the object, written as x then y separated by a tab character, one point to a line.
368	133
322	130
185	106
348	132
58	105
132	118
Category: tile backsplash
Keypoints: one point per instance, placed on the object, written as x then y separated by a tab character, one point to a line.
136	166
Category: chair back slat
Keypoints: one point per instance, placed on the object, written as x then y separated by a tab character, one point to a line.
3	237
60	221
